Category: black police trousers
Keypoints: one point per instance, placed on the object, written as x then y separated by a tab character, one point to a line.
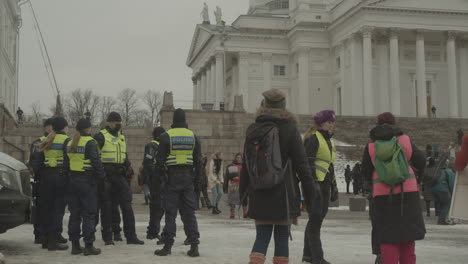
36	217
312	242
179	195
52	201
82	204
115	191
156	208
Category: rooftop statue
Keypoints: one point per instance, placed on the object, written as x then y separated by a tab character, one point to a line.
205	15
218	14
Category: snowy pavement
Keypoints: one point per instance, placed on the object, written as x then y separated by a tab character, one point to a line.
345	236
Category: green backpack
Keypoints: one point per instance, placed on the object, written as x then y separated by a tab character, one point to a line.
390	162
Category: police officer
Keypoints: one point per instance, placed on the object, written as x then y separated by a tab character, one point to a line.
37	165
85	171
54	183
179	153
114	157
149	162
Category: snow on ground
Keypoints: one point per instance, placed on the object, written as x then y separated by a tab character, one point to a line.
346	239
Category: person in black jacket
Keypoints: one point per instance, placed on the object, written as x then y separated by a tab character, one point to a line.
286	197
348	177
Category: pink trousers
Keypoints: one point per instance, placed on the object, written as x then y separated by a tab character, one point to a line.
401	253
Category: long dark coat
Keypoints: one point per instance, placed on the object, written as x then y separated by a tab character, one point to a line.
397	218
269	206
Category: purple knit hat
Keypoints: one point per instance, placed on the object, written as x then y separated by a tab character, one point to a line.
324	116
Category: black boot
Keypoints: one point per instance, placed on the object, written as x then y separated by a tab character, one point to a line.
61	239
146	200
76	248
44	242
193	252
52	244
91	250
134	241
217	210
109	242
166	250
117	237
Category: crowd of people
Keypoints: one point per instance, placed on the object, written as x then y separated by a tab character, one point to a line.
91	174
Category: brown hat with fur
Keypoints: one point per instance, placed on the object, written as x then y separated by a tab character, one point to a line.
274	98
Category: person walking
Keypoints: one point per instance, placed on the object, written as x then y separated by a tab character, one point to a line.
461	159
398	218
321	153
37	168
115	190
231	185
202	189
179	154
155	185
216	179
85	171
356	178
54	184
284	195
348	177
20	114
442	189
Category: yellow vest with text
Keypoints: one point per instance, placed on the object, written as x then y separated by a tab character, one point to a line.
324	157
114	149
54	155
77	159
154	154
182	144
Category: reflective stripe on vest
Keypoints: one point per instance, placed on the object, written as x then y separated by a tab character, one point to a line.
77	160
114	149
182	144
154	154
409	185
54	155
324	157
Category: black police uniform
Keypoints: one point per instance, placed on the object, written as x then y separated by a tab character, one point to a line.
36	163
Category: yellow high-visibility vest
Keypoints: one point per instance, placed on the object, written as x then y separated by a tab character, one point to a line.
54	155
324	157
114	149
182	144
77	159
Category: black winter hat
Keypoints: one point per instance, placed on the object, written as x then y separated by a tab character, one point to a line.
83	124
114	117
158	131
59	123
179	116
48	121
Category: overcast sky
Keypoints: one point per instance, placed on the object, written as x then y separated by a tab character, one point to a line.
108	45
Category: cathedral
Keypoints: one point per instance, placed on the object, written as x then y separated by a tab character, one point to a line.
358	57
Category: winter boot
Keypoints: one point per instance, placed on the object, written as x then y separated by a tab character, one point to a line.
244	210
146	200
280	260
109	242
38	240
217	210
214	211
203	203
61	239
166	250
44	242
134	241
52	244
256	258
193	252
91	250
233	214
117	237
76	248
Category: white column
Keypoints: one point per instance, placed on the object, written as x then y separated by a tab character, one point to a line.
357	95
244	78
267	57
194	97
452	75
199	92
394	74
203	88
303	106
219	79
421	75
212	98
369	104
345	91
463	51
208	95
383	79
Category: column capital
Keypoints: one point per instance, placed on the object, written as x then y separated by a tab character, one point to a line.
394	33
219	54
194	80
367	31
420	34
452	35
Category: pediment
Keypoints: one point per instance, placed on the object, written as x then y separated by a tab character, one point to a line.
448	5
200	38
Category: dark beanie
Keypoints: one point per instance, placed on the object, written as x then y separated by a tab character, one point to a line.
83	124
324	116
386	118
48	121
158	131
59	123
274	98
178	117
114	117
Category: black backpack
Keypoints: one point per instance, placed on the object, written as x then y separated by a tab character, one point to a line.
263	156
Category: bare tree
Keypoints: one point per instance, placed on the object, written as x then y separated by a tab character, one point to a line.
79	101
106	106
140	117
36	113
128	102
153	100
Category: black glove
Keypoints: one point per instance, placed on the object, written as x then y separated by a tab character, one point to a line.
334	193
